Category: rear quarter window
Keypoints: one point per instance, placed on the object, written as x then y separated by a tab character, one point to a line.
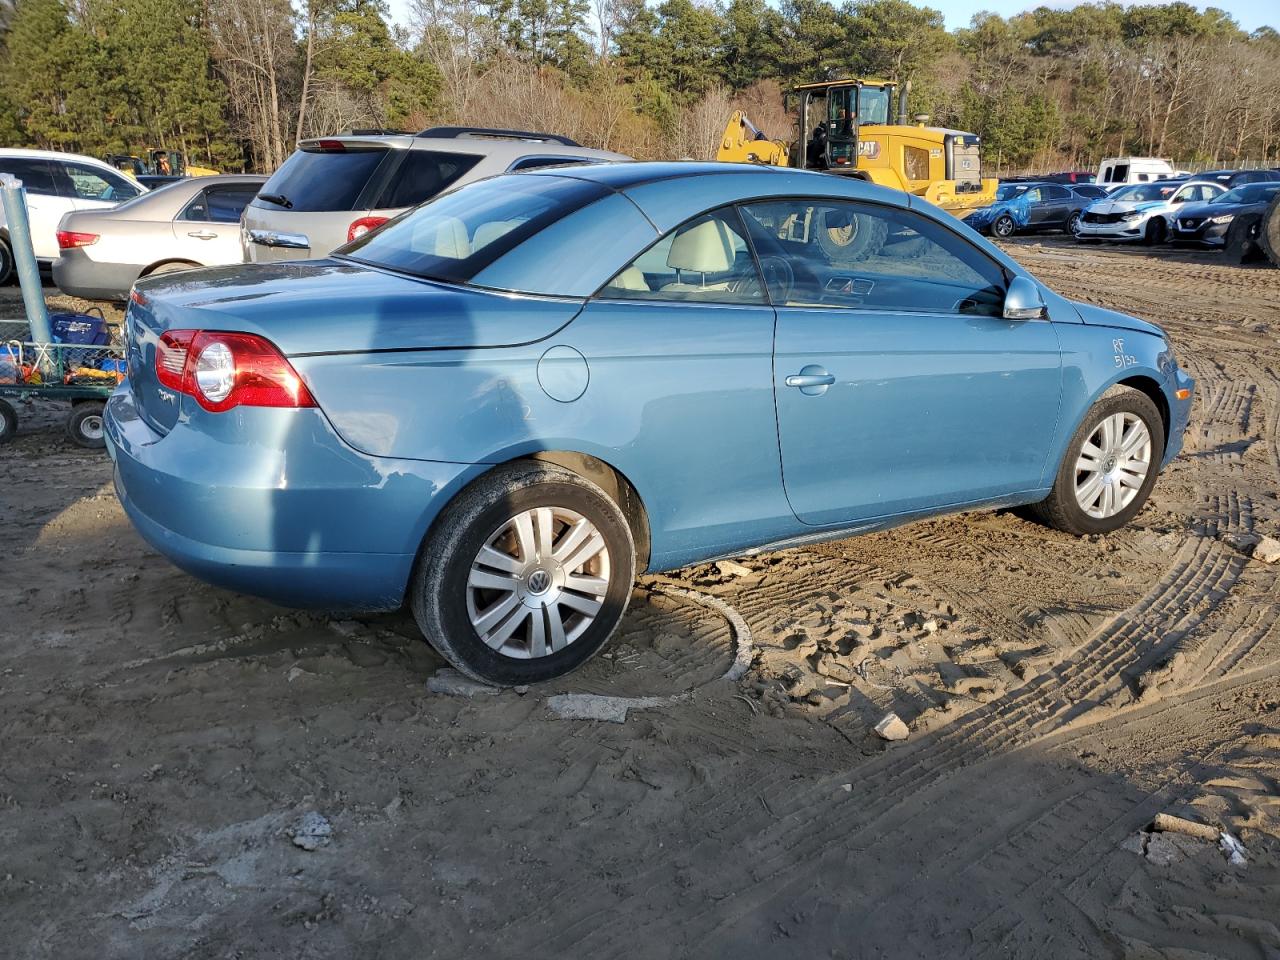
423	174
315	181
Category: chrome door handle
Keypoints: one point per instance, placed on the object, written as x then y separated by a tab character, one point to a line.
810	380
203	234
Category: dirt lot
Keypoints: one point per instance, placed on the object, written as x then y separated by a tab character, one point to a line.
160	740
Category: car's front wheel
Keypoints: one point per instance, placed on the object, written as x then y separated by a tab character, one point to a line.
1110	466
1003	227
525	575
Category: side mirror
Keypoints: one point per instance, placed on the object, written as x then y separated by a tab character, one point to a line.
1022	301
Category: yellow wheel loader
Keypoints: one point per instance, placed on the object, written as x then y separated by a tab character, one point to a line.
847	127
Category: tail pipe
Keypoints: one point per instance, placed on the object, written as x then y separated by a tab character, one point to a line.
904	93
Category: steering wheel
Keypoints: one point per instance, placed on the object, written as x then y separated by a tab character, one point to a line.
778	277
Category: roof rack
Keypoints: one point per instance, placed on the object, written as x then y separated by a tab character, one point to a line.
456	132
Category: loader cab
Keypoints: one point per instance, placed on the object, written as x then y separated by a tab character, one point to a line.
830	115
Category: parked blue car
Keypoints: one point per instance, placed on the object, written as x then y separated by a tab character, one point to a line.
503	404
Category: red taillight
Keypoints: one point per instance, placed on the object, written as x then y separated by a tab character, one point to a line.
224	370
171	358
362	226
69	239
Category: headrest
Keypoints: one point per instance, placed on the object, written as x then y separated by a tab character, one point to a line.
486	233
451	239
706	247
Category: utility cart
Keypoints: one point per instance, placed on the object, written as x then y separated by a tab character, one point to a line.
82	373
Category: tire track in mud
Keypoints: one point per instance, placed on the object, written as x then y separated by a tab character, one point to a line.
1097	677
1199	579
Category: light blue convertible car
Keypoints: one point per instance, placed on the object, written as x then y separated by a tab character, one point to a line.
503	404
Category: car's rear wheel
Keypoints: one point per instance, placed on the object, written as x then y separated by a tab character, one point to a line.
1003	226
1073	223
1110	466
173	266
525	575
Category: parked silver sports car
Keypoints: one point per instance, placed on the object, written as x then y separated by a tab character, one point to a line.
192	223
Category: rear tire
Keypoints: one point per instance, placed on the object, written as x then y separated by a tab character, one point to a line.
849	238
6	262
85	426
1269	232
173	266
8	422
1242	238
1062	509
480	571
1073	224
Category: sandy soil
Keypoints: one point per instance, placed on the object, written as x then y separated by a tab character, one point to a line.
160	740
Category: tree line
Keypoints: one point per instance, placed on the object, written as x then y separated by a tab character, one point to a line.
235	83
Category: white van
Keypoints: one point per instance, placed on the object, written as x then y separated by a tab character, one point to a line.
1134	170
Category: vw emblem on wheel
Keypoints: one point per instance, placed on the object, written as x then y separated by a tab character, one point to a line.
539	581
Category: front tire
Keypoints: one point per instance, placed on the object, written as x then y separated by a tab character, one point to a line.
1110	466
1003	227
1156	233
525	575
6	262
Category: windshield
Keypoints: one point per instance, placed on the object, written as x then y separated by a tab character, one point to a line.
1249	193
1144	192
460	233
1007	191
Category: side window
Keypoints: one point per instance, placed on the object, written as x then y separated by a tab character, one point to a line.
1035	195
197	209
421	175
532	163
90	183
226	204
824	253
1056	193
706	259
36	175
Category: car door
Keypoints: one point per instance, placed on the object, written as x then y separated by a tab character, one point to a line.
207	230
899	386
46	205
1055	205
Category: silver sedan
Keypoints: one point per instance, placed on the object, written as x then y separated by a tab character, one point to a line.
192	223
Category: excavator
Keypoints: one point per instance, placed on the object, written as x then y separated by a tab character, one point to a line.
854	134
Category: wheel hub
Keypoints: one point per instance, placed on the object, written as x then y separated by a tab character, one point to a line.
538	582
1113	465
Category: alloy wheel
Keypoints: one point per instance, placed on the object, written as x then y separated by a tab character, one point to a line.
1113	465
538	582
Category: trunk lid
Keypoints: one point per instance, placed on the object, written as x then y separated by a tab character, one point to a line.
324	307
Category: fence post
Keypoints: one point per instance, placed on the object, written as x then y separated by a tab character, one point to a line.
24	257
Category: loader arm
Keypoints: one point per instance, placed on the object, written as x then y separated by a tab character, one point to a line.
744	143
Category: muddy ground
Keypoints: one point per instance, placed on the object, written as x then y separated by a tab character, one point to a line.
161	740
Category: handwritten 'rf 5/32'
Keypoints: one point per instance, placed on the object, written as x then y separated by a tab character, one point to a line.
1123	359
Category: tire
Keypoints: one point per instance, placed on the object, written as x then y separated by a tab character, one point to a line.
1156	233
1062	509
1003	227
1242	238
848	238
8	422
447	604
1073	223
173	266
1269	232
85	427
6	262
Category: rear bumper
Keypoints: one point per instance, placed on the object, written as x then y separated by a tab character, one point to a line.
76	274
293	515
